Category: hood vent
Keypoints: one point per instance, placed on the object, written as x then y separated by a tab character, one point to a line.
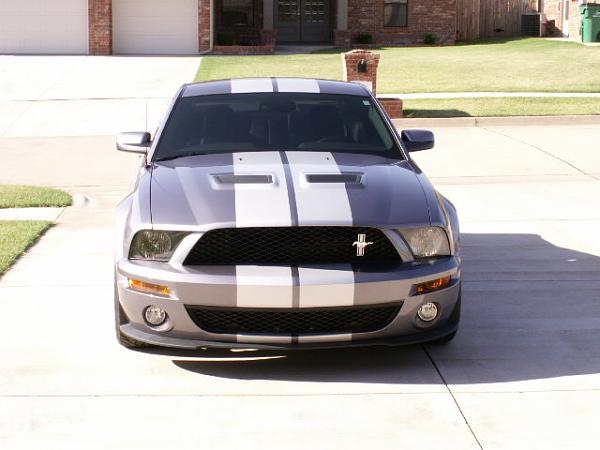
230	178
346	178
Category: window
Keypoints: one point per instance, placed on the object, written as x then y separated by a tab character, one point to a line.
395	13
252	122
237	13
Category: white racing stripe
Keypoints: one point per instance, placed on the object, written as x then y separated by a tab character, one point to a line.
297	85
318	203
257	205
251	85
263	339
326	204
260	204
326	288
313	339
264	287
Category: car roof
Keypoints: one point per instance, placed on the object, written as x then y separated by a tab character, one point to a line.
255	85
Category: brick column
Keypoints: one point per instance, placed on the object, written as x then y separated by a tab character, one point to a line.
100	27
357	60
341	38
574	21
204	24
341	35
361	65
268	37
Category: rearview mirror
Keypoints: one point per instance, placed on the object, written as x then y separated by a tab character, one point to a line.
134	141
417	140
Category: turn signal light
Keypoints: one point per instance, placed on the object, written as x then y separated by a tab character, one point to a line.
149	288
433	285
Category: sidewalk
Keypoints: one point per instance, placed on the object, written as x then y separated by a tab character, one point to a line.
519	121
49	214
443	95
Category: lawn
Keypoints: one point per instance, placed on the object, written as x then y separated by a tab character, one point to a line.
17	196
16	237
513	106
315	65
518	65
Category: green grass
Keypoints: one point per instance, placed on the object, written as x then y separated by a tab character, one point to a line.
523	65
16	237
489	107
328	66
535	65
17	196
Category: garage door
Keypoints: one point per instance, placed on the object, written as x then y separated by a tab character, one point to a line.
43	26
155	26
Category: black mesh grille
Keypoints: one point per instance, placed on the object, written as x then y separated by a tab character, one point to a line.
291	245
358	319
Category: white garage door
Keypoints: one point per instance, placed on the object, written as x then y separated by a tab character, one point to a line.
155	26
43	26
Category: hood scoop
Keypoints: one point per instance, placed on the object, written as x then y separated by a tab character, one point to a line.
230	178
345	178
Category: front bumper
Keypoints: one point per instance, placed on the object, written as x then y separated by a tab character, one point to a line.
272	287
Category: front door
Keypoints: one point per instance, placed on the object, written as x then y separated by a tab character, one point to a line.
303	21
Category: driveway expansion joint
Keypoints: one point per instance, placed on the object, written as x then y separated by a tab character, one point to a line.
520	141
439	372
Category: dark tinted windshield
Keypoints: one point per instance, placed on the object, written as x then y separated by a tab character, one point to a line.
275	121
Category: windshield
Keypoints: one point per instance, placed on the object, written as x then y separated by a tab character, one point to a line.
275	121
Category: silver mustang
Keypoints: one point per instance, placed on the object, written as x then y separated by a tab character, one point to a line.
283	213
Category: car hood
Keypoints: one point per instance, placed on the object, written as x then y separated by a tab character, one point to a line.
284	189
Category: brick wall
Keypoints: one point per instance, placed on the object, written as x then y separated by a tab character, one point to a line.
393	107
553	9
574	20
433	16
204	24
553	12
100	27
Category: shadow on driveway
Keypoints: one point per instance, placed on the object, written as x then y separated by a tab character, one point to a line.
531	310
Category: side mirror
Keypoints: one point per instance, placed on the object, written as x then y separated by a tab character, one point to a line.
417	140
134	142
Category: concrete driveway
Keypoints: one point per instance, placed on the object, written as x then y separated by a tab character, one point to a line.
524	372
87	95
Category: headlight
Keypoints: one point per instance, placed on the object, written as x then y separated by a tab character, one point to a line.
426	242
155	245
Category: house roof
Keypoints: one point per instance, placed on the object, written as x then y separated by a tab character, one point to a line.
253	85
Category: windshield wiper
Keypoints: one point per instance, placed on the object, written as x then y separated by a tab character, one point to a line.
182	155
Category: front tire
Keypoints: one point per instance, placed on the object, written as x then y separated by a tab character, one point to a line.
120	319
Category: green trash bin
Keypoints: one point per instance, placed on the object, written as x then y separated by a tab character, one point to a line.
590	22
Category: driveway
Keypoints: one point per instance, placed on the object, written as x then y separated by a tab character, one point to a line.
87	95
524	371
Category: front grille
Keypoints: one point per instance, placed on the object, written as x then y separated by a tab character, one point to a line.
357	319
291	246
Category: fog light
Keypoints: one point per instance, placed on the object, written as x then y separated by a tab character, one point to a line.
427	312
155	316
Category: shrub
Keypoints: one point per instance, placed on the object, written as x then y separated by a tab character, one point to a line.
225	39
364	38
429	39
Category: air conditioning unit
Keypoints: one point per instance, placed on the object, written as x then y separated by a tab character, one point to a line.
532	24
